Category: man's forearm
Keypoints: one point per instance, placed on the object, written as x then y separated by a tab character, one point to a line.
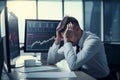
57	41
51	59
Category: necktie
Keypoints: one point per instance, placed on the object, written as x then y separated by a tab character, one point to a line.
77	48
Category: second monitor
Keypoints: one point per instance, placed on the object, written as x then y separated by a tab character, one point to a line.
39	34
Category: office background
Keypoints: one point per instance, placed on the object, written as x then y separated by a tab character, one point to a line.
101	17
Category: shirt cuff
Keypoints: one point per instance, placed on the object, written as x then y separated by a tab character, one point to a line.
55	46
68	46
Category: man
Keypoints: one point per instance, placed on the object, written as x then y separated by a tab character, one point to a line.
90	58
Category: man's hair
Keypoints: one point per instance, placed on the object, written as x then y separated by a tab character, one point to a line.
65	21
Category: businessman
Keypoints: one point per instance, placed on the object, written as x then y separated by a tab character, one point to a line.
82	50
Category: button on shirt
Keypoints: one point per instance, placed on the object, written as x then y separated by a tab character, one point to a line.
91	59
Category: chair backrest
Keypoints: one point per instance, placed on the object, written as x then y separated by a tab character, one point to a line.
113	54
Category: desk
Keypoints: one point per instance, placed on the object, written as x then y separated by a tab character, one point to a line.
16	75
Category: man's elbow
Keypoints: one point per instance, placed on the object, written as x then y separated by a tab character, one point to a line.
51	62
73	67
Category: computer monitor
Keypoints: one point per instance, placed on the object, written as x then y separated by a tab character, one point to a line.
39	34
10	38
13	34
1	51
0	25
4	24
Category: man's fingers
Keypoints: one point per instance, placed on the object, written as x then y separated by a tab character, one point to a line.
58	26
70	26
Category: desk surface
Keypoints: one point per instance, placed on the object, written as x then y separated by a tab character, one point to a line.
62	68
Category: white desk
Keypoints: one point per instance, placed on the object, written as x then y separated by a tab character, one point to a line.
62	72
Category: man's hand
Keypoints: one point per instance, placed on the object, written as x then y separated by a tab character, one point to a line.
69	34
58	35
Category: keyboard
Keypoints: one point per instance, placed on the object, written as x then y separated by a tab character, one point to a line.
36	69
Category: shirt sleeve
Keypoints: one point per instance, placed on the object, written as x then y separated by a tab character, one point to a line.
54	54
74	60
70	54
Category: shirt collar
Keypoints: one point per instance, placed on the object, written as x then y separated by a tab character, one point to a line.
81	40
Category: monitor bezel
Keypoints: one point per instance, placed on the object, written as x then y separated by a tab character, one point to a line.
6	44
25	46
8	28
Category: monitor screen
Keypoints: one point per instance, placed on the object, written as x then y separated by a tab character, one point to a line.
10	37
39	34
13	34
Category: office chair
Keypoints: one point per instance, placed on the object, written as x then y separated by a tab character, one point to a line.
113	54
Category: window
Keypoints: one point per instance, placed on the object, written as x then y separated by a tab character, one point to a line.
112	21
23	10
44	9
50	9
92	17
75	9
101	19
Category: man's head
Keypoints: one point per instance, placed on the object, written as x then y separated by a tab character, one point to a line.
75	25
65	21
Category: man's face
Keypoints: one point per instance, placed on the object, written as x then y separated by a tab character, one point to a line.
70	34
74	41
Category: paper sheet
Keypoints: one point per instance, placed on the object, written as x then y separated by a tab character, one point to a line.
50	75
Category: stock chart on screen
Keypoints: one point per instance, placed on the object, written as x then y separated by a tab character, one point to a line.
39	34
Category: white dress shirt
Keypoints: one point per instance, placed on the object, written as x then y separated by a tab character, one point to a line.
91	59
